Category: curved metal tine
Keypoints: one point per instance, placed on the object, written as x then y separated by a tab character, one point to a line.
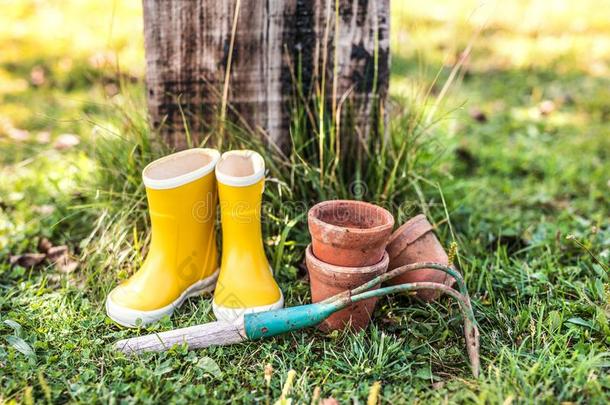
471	331
413	267
401	270
380	292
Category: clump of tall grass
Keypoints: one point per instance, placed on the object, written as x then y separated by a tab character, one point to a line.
121	147
330	160
326	159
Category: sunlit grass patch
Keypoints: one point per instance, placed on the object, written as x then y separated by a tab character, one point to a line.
518	34
65	31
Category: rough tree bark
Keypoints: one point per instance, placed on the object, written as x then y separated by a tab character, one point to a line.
188	44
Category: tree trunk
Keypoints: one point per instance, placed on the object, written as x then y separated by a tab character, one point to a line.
188	49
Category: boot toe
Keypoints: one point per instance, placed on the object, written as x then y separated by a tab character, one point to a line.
119	310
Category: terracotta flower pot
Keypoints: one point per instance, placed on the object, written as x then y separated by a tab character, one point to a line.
349	233
414	242
327	280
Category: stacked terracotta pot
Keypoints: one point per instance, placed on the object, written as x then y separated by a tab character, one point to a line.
349	241
415	242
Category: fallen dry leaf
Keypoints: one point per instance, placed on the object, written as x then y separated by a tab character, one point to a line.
478	115
60	257
37	76
43	137
19	135
101	59
27	259
44	245
316	395
44	209
66	264
66	141
111	89
55	253
438	385
546	107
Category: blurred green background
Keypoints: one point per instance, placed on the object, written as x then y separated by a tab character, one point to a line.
516	171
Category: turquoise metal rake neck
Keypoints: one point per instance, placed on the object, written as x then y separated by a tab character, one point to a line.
277	322
273	323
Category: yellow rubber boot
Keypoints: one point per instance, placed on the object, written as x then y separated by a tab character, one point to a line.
246	282
182	260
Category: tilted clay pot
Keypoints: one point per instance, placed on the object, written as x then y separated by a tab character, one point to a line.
415	242
349	233
327	280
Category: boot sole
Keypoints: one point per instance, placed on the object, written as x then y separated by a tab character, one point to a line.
128	317
230	315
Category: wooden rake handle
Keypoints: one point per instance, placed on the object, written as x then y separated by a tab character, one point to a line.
209	334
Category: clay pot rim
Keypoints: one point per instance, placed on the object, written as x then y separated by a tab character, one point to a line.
328	268
408	233
387	215
405	228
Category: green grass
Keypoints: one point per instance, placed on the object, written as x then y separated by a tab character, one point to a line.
525	196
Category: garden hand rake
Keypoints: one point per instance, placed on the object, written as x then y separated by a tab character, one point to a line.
276	322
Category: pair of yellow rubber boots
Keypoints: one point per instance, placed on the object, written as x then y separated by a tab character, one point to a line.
182	191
